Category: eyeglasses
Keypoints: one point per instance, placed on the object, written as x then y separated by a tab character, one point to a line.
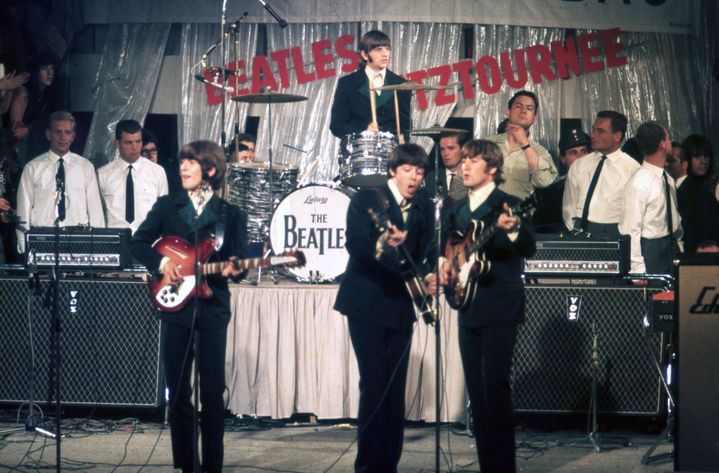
148	151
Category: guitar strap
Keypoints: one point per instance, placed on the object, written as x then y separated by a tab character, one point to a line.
382	198
220	226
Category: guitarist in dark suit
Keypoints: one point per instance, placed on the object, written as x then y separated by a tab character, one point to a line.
488	325
380	313
202	168
351	109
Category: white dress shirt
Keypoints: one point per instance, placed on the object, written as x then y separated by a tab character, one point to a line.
606	204
375	78
519	180
37	195
149	181
644	211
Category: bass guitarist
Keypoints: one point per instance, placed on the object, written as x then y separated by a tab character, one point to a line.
488	323
379	310
193	214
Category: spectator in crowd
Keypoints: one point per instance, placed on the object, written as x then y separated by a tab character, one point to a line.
700	154
151	150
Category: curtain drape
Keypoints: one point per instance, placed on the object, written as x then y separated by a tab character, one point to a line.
125	83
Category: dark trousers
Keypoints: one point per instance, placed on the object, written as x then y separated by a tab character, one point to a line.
658	254
382	357
487	359
211	367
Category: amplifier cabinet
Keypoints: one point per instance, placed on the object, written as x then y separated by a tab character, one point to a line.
696	441
552	369
110	343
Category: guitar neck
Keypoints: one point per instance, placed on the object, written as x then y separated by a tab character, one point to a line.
242	264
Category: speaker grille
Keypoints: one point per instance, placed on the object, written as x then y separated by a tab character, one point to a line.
110	343
552	370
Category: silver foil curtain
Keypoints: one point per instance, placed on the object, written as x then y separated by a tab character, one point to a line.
125	82
668	78
417	46
199	120
300	130
490	109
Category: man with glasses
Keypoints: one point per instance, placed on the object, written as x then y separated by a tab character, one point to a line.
151	151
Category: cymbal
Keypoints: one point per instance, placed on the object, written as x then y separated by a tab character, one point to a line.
269	97
436	130
409	85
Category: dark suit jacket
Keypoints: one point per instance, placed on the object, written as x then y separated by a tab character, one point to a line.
373	290
169	217
351	111
699	212
499	299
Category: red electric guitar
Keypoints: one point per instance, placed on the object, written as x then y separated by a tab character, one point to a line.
173	297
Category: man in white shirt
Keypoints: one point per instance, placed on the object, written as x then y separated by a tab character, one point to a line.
604	172
450	183
58	186
649	206
130	185
527	164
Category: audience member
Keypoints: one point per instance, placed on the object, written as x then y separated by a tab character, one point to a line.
649	212
527	164
592	199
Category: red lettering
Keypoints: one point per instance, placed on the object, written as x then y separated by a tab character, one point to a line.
521	79
214	93
419	77
588	52
489	84
540	59
302	76
443	97
611	48
236	79
344	49
566	57
262	74
463	69
280	57
322	59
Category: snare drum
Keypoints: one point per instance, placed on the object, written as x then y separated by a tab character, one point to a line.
363	158
249	188
313	219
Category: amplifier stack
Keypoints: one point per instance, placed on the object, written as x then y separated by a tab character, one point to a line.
78	247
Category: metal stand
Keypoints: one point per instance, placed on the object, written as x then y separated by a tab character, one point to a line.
666	435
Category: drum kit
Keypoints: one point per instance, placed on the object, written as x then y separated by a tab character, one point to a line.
312	217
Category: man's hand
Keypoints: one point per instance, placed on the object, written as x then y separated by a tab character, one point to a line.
172	273
507	221
445	272
229	269
372	127
517	134
393	237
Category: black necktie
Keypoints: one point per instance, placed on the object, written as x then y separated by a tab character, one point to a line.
60	183
668	200
129	196
590	192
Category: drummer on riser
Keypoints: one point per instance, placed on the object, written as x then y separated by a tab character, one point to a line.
352	106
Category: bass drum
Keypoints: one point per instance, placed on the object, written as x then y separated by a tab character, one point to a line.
313	219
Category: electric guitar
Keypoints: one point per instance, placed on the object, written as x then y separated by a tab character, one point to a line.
464	253
422	300
173	297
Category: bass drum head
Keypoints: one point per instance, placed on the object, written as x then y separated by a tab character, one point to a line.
313	219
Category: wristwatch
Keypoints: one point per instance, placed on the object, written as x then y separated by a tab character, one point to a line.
528	145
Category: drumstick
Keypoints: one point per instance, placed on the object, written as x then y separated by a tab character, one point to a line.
372	103
396	113
310	168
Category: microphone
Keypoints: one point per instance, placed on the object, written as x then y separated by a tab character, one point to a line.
236	24
271	11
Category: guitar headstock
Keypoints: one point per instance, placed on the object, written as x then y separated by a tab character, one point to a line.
298	256
525	207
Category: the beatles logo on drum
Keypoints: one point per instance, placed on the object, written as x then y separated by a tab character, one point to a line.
318	238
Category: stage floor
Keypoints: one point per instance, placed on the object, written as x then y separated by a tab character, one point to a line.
125	446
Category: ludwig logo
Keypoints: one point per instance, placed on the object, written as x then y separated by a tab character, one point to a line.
574	303
707	302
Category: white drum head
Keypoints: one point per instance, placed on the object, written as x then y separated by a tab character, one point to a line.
313	219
